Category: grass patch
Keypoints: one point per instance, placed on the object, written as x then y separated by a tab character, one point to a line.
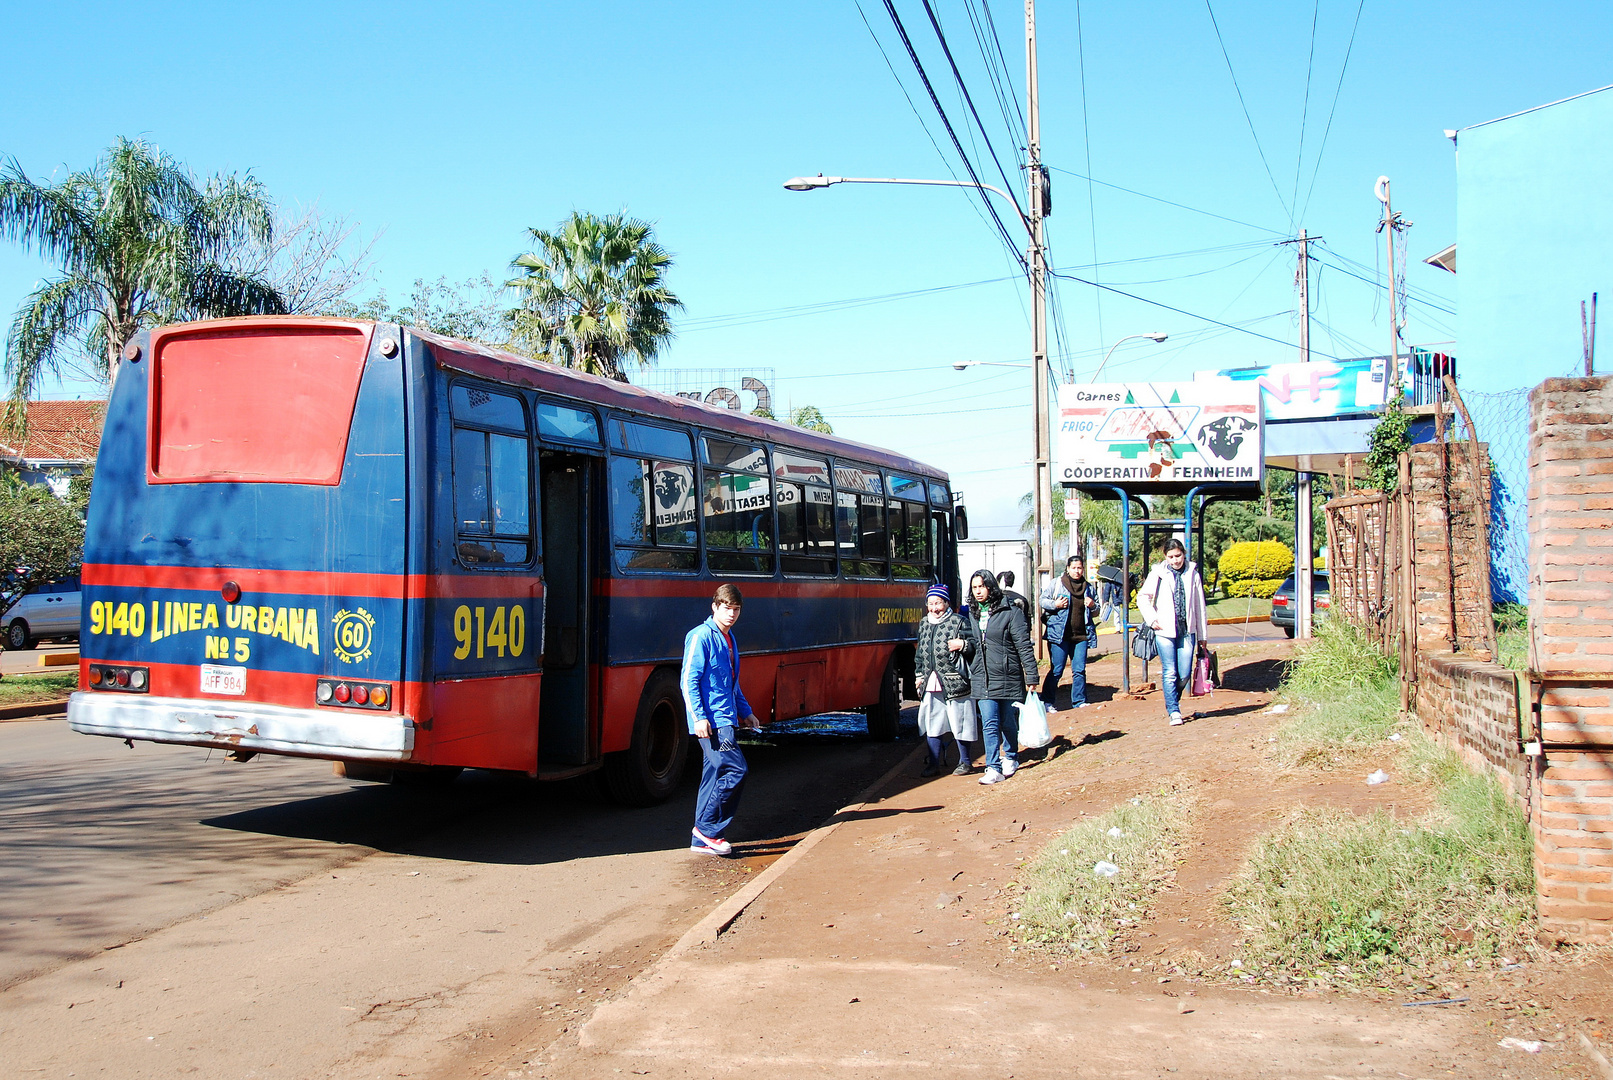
1374	895
1067	905
1512	636
1345	695
1238	607
1371	898
21	689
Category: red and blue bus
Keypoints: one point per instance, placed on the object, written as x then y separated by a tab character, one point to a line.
411	555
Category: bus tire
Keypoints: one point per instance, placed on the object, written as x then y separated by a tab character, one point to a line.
648	771
884	717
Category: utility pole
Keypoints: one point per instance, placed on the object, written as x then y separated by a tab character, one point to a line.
1304	558
1390	225
1042	496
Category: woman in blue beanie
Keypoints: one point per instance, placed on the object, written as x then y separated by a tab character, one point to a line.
941	664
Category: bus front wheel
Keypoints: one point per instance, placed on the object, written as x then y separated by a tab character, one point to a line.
884	717
648	771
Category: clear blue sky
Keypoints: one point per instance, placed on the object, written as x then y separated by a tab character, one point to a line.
455	131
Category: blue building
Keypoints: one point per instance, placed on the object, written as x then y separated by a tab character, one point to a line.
1534	228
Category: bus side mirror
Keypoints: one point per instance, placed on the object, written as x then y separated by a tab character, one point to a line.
960	522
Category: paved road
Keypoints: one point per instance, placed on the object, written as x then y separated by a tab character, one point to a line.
102	843
26	662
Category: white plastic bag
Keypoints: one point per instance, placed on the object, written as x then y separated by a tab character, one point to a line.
1033	730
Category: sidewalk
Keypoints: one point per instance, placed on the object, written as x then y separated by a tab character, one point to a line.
884	946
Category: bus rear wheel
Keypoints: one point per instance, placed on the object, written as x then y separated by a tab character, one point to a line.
648	771
884	717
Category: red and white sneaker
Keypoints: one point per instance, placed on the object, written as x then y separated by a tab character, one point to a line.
708	845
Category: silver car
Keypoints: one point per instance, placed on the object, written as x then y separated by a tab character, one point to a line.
48	610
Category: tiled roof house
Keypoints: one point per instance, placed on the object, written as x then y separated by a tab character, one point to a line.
62	440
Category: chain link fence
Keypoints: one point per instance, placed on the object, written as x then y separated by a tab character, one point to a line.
1502	421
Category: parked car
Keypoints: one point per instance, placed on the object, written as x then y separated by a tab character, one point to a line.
48	610
1282	603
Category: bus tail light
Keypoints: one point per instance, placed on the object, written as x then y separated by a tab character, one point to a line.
352	695
129	680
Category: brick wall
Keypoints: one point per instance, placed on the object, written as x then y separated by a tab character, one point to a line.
1472	707
1571	619
1436	533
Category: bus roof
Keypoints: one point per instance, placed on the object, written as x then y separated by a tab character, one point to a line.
480	360
474	359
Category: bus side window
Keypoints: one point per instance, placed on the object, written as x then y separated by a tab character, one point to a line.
862	531
492	479
910	538
652	514
737	504
806	518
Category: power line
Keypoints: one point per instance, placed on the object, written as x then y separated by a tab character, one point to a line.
957	76
1168	202
1260	150
1086	137
1317	168
1305	110
907	42
1181	311
998	81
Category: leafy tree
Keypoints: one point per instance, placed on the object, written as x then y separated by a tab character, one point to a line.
312	261
139	242
470	310
811	418
43	537
593	295
1389	438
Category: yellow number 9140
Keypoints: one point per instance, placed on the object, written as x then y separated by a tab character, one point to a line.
506	630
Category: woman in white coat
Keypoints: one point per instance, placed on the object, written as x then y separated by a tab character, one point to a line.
1172	602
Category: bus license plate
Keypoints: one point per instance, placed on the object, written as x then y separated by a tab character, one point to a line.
223	680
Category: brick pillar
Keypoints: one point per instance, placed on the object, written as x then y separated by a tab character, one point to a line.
1435	534
1571	628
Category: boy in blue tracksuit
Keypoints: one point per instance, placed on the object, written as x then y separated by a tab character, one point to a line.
716	706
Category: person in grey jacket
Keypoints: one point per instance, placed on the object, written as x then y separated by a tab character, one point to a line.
1002	674
941	663
1070	605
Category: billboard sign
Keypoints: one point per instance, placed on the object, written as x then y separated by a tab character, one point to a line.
1319	390
1160	435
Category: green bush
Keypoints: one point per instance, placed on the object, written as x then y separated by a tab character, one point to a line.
1256	559
1259	588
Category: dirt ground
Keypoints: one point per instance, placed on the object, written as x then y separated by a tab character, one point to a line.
886	946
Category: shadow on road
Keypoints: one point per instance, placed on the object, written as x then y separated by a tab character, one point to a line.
801	773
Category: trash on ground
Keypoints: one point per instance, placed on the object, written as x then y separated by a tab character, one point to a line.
1395	737
1278	708
1116	831
1377	777
1528	1046
1436	1001
1105	868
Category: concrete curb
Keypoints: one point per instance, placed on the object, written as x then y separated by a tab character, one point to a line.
707	930
33	710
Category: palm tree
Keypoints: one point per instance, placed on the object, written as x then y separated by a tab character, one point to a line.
1100	521
138	243
593	295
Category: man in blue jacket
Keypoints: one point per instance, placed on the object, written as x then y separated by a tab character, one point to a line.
716	706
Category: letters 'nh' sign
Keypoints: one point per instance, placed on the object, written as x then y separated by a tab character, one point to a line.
1164	436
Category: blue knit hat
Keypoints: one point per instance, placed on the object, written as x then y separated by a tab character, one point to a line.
939	590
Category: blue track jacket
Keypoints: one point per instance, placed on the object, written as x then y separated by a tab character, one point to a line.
711	678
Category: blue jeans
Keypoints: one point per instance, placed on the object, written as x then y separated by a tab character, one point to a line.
722	777
1176	657
1076	653
999	722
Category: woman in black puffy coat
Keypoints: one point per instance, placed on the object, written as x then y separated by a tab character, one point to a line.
1002	673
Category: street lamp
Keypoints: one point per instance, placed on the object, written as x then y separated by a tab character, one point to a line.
959	365
1156	336
1042	486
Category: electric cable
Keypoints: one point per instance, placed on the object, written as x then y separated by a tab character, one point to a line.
1317	168
1244	105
